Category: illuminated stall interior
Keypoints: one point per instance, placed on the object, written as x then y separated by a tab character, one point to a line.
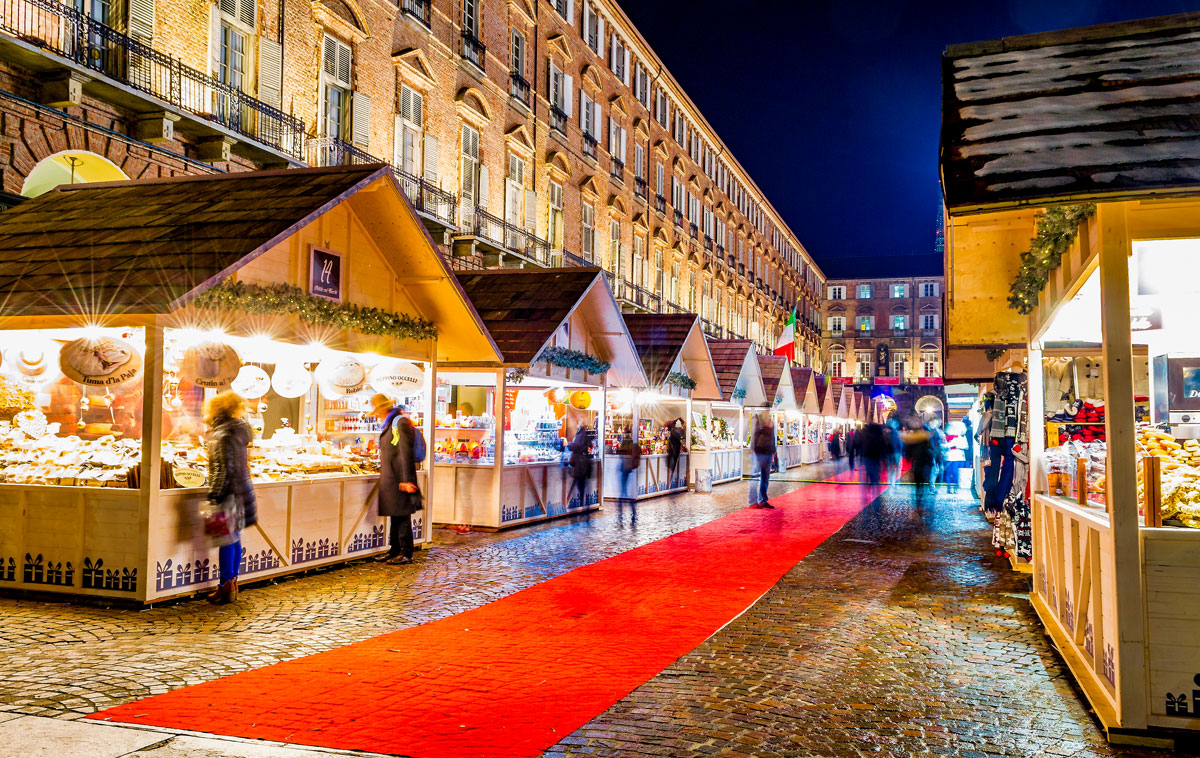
742	395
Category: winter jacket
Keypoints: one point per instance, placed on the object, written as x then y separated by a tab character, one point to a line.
396	467
229	470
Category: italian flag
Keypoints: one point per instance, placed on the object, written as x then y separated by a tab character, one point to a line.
787	339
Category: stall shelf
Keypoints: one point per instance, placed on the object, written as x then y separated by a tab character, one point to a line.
1116	566
565	345
742	395
674	356
188	283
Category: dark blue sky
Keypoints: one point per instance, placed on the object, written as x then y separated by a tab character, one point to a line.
833	106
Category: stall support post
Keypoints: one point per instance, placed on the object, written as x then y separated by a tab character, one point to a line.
430	414
151	465
1037	403
498	406
687	438
1121	482
601	441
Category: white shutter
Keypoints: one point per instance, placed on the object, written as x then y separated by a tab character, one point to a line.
622	144
247	11
584	111
412	106
586	21
571	10
483	186
360	117
626	71
214	43
141	20
270	72
613	142
600	37
568	95
343	71
431	158
329	57
612	52
228	7
530	210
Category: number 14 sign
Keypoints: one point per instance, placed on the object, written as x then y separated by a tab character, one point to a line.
325	274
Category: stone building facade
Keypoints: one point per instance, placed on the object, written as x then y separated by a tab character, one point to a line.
526	132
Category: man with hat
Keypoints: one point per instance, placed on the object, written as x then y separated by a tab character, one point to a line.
399	497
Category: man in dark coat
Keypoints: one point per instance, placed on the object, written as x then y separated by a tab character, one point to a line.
674	449
399	497
764	448
580	464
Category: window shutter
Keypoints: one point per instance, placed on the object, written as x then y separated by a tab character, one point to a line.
625	71
270	72
599	34
555	85
141	19
343	71
247	10
228	7
568	95
530	210
329	57
613	53
483	186
431	158
585	111
360	112
412	106
571	10
612	137
623	145
586	21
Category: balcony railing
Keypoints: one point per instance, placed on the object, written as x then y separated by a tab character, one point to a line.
332	151
562	258
721	254
618	170
678	215
418	9
519	88
637	295
427	198
590	144
660	204
640	188
501	233
708	243
694	228
64	31
473	50
558	120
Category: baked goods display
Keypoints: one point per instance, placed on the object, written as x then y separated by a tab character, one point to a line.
1179	474
31	452
285	456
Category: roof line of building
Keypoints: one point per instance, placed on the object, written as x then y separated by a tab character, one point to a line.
1078	34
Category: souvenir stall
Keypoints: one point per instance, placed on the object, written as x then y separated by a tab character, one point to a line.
502	429
101	430
682	381
731	417
777	381
804	388
1101	314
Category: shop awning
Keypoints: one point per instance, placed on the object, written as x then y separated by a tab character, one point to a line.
771	367
667	340
146	247
737	368
1096	112
525	309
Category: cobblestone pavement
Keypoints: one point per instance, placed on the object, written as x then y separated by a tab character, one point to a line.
901	635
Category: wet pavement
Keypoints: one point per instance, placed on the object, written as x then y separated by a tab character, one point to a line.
901	635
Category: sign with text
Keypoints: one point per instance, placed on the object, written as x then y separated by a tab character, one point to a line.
929	380
887	380
325	274
842	380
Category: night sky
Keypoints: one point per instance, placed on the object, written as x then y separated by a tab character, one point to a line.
833	106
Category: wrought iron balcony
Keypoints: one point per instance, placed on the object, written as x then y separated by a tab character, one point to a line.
518	88
678	215
59	29
558	120
561	258
618	170
694	228
708	243
506	237
418	9
332	151
640	188
741	269
660	204
721	253
473	49
637	295
590	144
427	198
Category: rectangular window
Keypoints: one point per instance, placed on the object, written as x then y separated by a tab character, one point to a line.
900	365
658	273
588	241
929	289
518	54
864	368
837	292
470	169
641	84
639	257
900	322
471	16
660	182
555	228
837	363
864	292
233	57
639	161
409	131
336	63
614	246
864	323
675	282
677	195
837	323
899	290
514	191
662	108
929	322
929	364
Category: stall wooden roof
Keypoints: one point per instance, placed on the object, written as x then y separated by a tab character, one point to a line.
664	338
771	367
737	366
1096	112
146	247
805	389
524	308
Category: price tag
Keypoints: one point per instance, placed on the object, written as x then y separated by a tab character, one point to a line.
188	478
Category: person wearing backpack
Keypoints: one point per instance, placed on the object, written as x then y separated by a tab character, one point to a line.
401	447
763	445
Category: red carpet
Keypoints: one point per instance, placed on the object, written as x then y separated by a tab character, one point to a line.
514	677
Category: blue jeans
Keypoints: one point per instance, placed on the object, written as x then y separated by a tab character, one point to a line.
229	558
764	475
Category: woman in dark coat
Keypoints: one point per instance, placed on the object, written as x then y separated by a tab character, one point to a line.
580	464
230	488
399	497
674	449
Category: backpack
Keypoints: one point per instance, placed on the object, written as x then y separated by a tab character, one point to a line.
418	452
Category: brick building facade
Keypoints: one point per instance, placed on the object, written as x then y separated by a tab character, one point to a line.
527	132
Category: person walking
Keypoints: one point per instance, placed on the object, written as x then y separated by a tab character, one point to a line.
851	447
230	491
580	464
399	497
762	444
630	456
674	450
872	446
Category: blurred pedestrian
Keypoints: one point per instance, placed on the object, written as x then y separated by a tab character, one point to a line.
918	449
851	449
895	449
762	444
674	451
231	503
872	445
580	464
399	497
956	456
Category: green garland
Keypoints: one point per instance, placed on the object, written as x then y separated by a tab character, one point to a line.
739	393
517	375
1056	230
567	358
286	300
680	380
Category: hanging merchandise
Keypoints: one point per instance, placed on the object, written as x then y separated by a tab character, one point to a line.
1009	453
211	365
339	377
397	378
291	379
251	382
100	361
580	400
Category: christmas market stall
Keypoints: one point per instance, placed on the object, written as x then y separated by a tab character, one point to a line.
503	428
742	395
675	358
827	391
1074	291
127	305
777	382
804	387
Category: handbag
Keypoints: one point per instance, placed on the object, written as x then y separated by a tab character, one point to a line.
218	518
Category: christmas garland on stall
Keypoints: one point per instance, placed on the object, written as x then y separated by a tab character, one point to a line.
1056	229
739	393
517	375
286	300
564	357
680	380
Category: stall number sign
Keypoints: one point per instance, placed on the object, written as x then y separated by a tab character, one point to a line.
326	277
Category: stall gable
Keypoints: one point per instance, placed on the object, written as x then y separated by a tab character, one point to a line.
668	342
804	387
772	369
737	368
786	392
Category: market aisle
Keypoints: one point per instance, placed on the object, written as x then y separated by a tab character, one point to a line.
514	677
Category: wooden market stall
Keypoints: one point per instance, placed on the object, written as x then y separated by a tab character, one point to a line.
1111	528
804	387
502	426
742	395
304	291
777	382
679	369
